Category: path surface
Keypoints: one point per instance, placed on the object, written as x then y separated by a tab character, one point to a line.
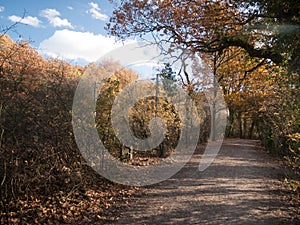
242	186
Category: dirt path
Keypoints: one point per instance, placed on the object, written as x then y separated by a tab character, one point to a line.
241	187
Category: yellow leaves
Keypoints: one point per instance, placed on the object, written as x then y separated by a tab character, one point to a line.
294	137
245	80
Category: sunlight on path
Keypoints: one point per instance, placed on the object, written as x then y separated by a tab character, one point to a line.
242	186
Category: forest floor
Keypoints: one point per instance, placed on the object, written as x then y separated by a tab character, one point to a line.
244	185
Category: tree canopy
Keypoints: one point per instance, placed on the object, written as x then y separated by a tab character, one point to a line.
252	47
266	29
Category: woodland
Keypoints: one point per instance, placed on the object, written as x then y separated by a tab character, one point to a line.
252	49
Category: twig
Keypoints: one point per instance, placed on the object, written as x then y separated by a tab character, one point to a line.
4	177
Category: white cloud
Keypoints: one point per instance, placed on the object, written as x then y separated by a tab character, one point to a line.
28	20
58	22
74	45
95	12
54	19
70	7
49	13
1	8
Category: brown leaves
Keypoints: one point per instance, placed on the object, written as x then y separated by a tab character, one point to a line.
46	179
93	206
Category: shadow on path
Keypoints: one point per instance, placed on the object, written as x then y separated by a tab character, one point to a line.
242	186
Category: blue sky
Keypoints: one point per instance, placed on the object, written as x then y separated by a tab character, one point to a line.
69	29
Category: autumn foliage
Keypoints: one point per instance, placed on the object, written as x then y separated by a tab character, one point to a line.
43	177
250	47
253	50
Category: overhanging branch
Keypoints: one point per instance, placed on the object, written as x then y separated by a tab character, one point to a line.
259	53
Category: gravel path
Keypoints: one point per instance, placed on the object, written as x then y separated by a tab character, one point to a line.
242	186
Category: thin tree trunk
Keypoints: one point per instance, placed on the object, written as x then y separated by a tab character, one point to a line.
240	125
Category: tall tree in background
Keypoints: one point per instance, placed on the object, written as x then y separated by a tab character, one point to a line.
168	78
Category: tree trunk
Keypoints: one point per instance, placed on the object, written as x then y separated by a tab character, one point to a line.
244	133
229	127
239	117
250	136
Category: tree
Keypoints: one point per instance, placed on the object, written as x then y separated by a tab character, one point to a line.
267	29
261	83
37	148
139	115
119	77
168	77
245	82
